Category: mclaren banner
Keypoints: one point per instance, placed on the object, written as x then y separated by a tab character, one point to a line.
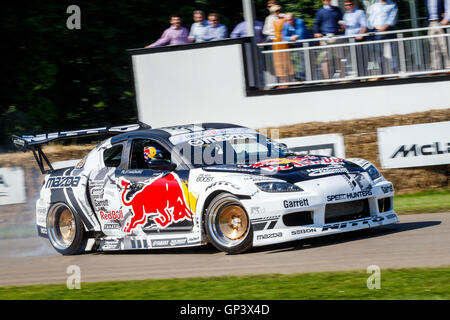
324	144
415	145
12	186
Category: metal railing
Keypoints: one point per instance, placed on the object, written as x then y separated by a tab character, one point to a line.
391	54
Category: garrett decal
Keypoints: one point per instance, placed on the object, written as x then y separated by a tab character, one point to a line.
163	196
269	236
350	195
295	203
111	226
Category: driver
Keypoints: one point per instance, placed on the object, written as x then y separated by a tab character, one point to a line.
151	153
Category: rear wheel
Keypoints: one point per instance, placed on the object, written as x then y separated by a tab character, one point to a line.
65	230
227	224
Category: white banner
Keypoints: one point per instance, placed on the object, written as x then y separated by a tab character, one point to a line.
324	144
12	186
415	145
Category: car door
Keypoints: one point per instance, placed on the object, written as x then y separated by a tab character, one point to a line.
154	194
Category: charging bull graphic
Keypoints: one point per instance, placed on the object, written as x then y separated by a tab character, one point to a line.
163	196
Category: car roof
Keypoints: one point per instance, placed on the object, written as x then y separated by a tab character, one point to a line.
167	132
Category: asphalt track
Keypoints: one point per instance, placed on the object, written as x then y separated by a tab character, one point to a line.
421	240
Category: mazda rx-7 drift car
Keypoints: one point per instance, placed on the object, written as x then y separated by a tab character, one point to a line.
189	185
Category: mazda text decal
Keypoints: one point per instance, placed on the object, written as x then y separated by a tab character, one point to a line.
62	182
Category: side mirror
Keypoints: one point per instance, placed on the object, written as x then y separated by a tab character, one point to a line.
161	165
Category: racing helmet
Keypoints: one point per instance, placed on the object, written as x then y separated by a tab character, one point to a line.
151	153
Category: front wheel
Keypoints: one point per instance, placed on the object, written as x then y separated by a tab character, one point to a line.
227	224
65	230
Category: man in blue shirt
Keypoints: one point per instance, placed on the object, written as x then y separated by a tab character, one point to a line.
438	15
326	20
383	17
241	30
198	27
294	29
355	23
215	30
326	23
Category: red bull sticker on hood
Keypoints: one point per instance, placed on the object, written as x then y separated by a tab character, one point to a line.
281	164
164	196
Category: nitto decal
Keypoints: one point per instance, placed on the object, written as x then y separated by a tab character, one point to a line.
62	182
163	196
295	203
350	195
387	189
269	236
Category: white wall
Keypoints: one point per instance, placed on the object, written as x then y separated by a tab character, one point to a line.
208	85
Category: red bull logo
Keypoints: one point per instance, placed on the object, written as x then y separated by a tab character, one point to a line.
281	164
163	196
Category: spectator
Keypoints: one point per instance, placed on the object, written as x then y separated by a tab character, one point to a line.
382	18
175	34
282	63
438	15
326	23
326	20
269	29
294	29
241	31
215	30
355	23
198	27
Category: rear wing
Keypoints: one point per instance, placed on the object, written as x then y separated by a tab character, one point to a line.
34	142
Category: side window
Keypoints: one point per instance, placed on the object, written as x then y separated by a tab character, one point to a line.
113	156
144	150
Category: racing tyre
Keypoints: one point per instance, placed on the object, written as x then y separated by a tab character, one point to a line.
227	225
66	230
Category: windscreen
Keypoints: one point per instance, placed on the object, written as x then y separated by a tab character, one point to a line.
219	147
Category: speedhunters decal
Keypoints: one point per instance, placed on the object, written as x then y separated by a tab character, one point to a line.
349	195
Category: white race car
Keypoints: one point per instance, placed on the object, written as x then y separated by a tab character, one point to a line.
189	185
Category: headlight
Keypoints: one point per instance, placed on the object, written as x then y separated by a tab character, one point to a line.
278	187
373	172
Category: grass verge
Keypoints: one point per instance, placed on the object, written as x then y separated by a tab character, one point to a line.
419	283
423	202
